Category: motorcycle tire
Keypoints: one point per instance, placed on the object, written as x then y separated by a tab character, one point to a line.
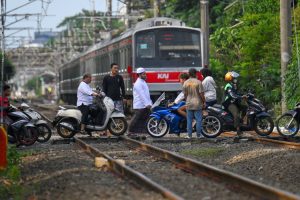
44	133
264	126
63	132
157	129
287	125
28	135
211	126
117	126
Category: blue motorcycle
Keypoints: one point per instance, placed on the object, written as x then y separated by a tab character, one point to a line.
165	120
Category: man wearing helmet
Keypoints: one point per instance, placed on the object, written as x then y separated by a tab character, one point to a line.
233	100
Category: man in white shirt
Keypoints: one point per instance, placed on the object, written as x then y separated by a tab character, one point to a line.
85	98
141	103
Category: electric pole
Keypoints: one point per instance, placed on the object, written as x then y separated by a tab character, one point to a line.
204	18
128	12
285	33
109	14
156	8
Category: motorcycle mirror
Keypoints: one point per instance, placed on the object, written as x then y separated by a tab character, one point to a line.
24	105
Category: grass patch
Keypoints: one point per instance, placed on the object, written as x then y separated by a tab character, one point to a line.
10	177
203	152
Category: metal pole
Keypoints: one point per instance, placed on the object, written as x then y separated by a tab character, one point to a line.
285	30
204	12
109	20
156	5
3	54
128	12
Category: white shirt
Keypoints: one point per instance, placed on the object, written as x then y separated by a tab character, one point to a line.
84	94
141	94
209	86
179	98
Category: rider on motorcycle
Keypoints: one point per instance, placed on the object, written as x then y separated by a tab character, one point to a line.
182	110
234	102
4	102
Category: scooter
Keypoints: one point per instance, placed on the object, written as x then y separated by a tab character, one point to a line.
219	120
165	120
102	116
20	131
37	119
288	124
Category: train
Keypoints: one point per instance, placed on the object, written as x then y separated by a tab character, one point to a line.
165	47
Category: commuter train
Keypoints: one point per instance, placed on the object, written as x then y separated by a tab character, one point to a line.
165	47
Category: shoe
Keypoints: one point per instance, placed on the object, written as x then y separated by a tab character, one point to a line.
188	137
239	133
200	136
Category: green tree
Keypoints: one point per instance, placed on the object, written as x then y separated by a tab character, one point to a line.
34	84
9	69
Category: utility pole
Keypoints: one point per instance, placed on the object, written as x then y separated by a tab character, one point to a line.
94	23
156	8
204	18
109	20
3	54
128	12
285	33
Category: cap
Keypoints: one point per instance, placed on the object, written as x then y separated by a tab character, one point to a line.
140	70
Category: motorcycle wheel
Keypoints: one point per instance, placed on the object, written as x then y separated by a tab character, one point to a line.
64	132
44	133
157	128
211	126
264	126
287	125
28	135
117	126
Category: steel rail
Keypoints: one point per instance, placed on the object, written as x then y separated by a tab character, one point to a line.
290	145
198	168
127	171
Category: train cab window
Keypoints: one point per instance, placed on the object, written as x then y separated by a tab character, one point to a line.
178	45
168	47
145	45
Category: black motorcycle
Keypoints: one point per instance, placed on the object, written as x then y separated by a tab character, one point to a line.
288	124
219	120
37	119
20	131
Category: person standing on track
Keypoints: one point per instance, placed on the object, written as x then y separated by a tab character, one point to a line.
114	88
85	98
141	104
195	102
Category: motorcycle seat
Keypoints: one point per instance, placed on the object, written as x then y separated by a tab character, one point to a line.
217	106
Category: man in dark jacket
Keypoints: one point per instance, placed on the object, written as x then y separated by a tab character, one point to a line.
113	87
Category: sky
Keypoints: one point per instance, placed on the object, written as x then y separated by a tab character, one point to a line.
57	9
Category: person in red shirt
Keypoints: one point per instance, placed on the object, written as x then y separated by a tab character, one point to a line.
4	103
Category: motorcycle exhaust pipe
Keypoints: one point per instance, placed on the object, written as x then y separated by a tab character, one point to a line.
67	126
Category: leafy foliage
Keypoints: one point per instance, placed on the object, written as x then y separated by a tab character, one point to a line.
9	178
9	69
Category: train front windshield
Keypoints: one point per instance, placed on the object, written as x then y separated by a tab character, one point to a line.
167	47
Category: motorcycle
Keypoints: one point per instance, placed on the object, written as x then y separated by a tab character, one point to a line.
20	131
44	130
102	116
165	120
288	124
218	120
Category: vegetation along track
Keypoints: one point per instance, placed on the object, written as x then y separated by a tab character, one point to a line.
203	181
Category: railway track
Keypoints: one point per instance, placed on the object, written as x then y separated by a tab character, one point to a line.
292	143
154	167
